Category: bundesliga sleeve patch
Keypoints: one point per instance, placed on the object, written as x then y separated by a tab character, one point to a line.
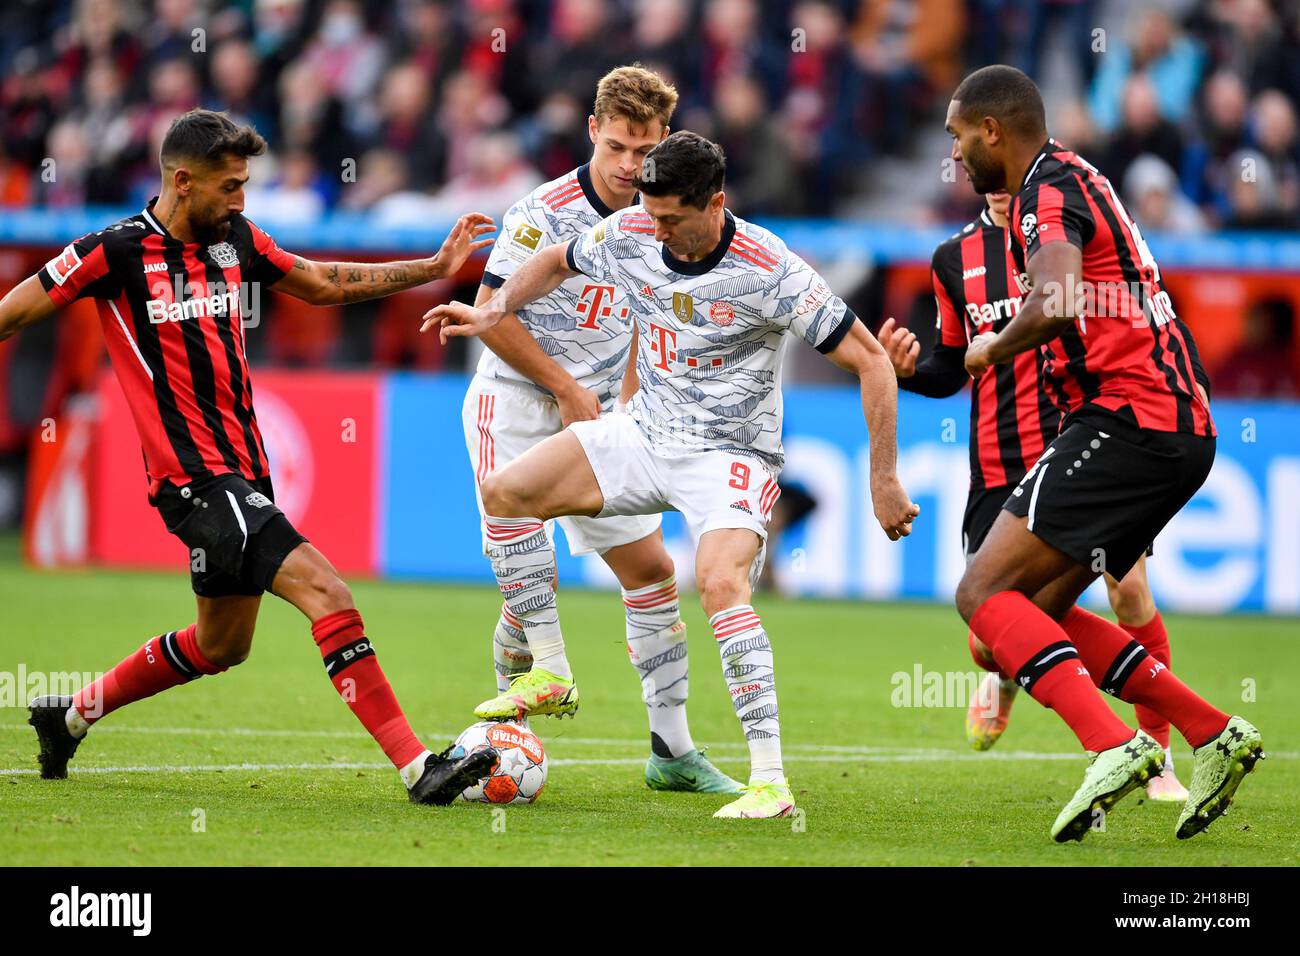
529	237
63	265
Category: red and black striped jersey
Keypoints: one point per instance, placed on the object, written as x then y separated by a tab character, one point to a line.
1127	352
173	319
977	289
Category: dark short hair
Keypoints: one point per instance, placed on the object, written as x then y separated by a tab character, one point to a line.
1007	95
207	136
685	165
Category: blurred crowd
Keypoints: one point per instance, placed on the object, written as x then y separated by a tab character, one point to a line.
417	110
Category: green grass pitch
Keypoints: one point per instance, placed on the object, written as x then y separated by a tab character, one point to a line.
276	770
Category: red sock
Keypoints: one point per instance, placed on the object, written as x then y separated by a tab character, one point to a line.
164	661
1155	641
1030	646
1130	674
980	657
355	672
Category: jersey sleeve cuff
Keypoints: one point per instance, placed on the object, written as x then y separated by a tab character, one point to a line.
568	254
492	280
837	334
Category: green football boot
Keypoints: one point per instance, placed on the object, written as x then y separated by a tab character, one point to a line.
690	773
760	801
1111	775
537	693
1219	768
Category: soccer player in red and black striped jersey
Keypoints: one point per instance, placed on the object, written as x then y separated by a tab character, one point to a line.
171	284
977	288
1136	443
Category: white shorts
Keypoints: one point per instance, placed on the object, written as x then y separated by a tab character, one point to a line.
712	489
502	421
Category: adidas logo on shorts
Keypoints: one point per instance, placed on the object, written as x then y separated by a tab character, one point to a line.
742	505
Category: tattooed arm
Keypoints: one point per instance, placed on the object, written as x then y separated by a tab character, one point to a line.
334	283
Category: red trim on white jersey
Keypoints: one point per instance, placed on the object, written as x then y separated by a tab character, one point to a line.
563	195
751	251
768	497
487	448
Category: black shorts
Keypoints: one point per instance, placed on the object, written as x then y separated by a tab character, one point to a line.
982	509
1103	490
237	537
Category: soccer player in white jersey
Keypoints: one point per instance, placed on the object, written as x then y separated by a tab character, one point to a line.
559	361
713	297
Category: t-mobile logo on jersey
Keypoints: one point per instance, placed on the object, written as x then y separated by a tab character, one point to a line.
663	343
596	302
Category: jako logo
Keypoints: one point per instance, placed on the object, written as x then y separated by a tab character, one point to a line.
103	909
217	304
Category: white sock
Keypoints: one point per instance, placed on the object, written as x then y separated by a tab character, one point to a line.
510	654
1169	758
412	771
77	725
656	645
523	558
747	666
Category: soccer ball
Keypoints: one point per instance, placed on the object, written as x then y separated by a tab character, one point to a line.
520	773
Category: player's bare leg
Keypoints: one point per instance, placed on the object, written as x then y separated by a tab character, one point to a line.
308	581
551	479
1137	613
724	563
220	638
225	627
656	645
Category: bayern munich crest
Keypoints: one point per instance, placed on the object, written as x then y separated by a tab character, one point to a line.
722	313
224	255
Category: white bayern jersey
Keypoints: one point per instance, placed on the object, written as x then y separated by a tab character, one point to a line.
711	332
583	325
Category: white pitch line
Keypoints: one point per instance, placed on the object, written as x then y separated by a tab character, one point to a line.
559	762
547	739
824	753
954	756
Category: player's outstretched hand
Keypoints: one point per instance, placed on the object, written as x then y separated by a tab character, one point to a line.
459	319
977	353
901	346
894	509
578	404
462	242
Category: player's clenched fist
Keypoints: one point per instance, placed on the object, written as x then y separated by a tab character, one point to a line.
901	346
459	318
894	509
977	353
